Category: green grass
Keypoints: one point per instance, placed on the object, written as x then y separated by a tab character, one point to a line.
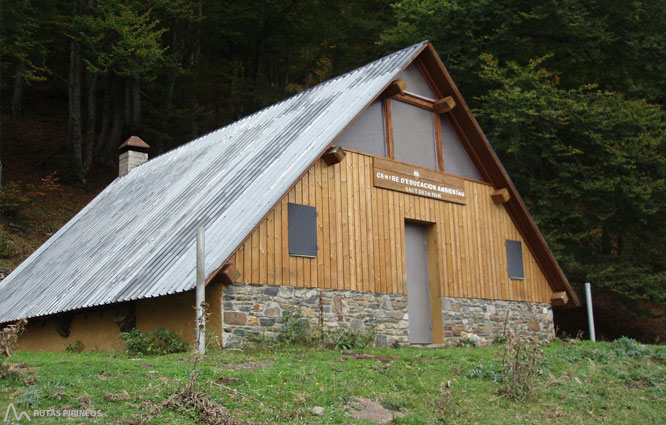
580	382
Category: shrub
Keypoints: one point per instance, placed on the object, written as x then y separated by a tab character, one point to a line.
9	337
500	339
7	246
629	348
159	341
520	360
13	198
346	339
296	330
76	347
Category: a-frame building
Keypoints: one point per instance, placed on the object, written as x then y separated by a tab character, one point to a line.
371	200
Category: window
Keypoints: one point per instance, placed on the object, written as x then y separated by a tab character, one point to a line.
514	259
456	160
366	134
416	82
414	135
302	230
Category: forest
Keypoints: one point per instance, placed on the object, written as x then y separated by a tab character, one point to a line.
570	94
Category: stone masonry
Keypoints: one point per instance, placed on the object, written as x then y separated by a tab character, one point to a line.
250	309
482	320
259	309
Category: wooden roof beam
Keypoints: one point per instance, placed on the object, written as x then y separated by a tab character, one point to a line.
444	105
396	87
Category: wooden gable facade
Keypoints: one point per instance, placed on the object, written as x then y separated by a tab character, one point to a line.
361	225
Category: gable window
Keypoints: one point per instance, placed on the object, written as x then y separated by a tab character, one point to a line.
366	134
405	125
414	135
456	160
514	259
302	228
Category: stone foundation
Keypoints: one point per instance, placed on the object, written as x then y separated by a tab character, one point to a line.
250	309
259	309
483	320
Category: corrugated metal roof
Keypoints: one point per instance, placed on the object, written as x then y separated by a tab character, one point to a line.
136	239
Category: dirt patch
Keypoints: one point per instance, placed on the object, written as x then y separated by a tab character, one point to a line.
371	410
245	365
364	356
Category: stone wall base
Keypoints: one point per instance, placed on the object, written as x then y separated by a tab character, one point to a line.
259	309
250	309
483	320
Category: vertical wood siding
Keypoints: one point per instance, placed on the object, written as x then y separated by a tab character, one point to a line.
360	232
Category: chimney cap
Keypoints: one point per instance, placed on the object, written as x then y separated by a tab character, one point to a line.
134	143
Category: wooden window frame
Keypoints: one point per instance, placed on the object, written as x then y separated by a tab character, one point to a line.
421	103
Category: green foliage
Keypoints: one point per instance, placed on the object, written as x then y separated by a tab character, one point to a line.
348	338
591	167
7	246
627	347
296	330
500	339
75	347
467	342
486	370
29	397
14	198
159	341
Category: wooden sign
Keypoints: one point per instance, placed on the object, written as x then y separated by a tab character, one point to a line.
418	181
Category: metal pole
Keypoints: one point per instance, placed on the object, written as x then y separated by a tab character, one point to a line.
590	316
201	291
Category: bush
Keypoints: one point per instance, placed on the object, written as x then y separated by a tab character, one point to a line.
13	198
76	347
296	330
9	337
520	360
159	341
7	246
346	339
628	347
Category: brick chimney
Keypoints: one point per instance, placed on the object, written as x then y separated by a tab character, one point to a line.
133	152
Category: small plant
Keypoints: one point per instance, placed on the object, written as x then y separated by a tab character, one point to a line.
520	360
14	198
9	337
7	246
28	398
500	339
159	341
468	342
485	371
628	347
54	390
346	339
75	347
296	330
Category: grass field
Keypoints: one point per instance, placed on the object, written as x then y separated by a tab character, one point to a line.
577	382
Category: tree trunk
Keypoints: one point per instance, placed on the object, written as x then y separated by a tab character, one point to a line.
90	123
16	105
106	111
128	102
195	71
136	102
75	130
117	125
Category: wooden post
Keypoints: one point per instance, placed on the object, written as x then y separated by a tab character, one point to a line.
201	291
